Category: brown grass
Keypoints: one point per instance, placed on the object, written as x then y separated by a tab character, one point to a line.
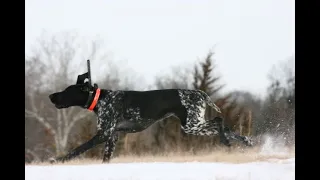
217	155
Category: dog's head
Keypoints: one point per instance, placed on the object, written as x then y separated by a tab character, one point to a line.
74	95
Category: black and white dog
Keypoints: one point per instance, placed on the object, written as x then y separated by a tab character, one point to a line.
134	111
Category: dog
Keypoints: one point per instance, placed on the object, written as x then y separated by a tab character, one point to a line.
134	111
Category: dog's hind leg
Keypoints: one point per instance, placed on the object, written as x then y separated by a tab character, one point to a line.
244	139
217	124
206	128
94	141
109	147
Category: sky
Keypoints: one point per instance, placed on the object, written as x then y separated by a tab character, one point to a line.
248	37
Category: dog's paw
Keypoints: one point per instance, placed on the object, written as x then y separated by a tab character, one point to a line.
52	160
248	141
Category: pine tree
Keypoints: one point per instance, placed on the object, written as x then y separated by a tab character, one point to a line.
206	81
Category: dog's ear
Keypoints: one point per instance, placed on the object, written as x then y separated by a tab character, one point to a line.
82	77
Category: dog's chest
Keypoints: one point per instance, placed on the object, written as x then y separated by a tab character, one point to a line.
110	105
109	110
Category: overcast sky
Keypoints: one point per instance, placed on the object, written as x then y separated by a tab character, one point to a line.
248	36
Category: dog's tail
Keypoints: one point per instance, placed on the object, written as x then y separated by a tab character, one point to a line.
210	102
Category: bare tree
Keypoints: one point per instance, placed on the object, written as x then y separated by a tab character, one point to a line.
279	106
58	122
180	79
53	65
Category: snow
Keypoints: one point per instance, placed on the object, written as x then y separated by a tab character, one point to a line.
268	169
272	169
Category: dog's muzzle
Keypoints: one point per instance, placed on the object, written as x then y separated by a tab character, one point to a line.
54	99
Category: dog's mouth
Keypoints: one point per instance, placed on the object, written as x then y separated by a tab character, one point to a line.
60	106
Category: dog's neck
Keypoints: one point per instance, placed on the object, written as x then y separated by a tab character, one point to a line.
93	98
94	102
106	97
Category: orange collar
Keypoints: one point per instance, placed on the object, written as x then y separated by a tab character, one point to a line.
95	100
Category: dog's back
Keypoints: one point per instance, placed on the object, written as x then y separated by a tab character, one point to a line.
153	104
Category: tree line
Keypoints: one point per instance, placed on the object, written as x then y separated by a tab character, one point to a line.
54	64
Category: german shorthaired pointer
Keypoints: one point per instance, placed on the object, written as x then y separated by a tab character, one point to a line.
134	111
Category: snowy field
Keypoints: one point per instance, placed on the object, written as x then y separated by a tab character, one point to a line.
271	162
273	170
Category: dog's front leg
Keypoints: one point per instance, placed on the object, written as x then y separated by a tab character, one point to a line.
94	141
109	147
